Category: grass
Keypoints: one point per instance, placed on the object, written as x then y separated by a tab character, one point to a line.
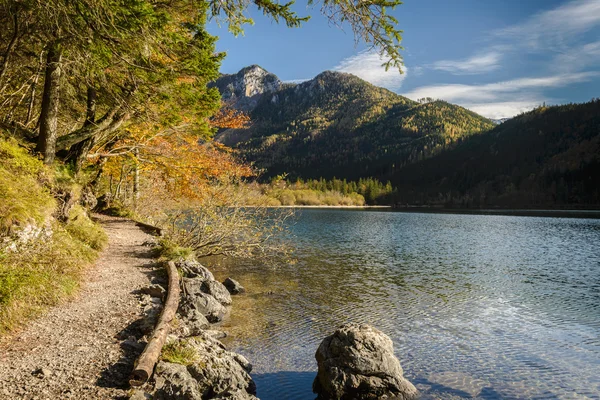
41	274
179	352
167	250
42	270
85	230
23	197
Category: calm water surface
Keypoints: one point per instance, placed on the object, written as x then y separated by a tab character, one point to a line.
478	306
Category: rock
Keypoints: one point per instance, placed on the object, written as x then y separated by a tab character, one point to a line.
87	199
216	334
154	291
42	373
192	286
233	286
357	362
205	304
218	291
193	322
243	361
138	395
193	269
149	321
173	381
218	372
214	373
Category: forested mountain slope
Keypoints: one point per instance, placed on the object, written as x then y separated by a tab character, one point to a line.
339	125
549	157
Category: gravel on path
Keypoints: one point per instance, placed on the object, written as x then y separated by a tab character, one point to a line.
79	349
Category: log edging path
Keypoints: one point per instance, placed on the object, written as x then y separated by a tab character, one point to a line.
84	349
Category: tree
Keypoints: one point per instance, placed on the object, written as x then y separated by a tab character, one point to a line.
108	64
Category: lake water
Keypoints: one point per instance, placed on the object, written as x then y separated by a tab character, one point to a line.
478	306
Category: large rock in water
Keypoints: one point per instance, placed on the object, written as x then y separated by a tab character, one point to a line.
357	362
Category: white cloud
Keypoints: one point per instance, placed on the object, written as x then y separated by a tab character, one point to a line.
491	91
367	65
579	57
553	27
501	99
477	64
503	109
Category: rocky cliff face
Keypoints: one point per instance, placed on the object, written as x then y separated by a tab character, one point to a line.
244	89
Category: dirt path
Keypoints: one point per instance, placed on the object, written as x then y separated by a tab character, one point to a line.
76	350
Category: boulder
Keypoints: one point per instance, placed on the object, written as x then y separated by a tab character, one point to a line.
205	304
357	362
218	291
154	290
214	373
233	286
192	323
192	286
173	381
220	372
193	269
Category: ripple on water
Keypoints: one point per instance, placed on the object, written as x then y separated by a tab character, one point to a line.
478	306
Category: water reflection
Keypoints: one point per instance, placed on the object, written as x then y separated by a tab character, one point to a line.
478	306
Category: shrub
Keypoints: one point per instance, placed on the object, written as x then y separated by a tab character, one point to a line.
82	228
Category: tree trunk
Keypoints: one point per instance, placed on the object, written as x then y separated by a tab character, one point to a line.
11	44
50	103
79	151
33	89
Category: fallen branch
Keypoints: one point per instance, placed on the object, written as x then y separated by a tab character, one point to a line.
145	364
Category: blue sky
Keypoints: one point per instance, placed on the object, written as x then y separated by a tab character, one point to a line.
497	58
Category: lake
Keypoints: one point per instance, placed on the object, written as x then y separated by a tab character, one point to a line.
478	306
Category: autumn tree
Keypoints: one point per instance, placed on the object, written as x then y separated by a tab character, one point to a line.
73	73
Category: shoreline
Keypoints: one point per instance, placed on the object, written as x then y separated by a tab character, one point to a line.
333	207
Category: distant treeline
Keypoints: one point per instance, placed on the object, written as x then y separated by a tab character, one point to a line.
320	192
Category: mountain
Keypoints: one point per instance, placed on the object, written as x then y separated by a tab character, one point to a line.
500	120
338	125
244	89
549	157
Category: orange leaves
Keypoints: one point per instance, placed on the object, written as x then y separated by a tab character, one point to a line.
229	118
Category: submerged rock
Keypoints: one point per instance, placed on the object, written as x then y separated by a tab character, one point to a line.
218	291
233	286
357	362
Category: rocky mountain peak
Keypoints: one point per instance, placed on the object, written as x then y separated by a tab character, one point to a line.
245	88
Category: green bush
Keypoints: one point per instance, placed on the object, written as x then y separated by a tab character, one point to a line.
169	250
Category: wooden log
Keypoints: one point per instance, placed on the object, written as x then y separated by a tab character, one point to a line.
145	364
